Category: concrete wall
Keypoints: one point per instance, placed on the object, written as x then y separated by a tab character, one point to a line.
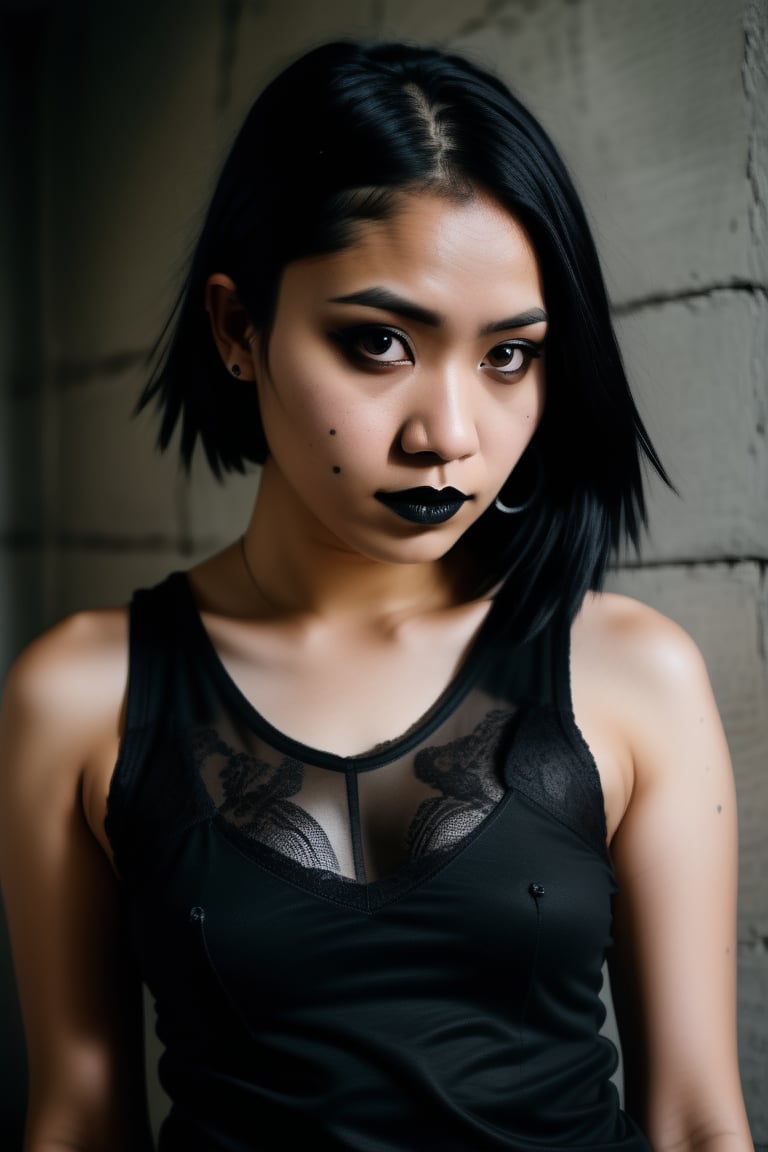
662	112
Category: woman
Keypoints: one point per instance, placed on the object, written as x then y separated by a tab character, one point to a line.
372	757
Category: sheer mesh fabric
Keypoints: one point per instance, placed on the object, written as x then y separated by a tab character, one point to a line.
352	819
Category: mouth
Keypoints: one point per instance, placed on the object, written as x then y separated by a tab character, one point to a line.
424	505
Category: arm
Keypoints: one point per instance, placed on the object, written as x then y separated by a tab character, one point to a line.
80	1000
675	856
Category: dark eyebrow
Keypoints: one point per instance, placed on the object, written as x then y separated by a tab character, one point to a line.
522	320
390	302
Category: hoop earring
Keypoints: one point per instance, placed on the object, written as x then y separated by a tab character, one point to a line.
515	509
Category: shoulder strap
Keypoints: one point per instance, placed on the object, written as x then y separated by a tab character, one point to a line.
550	761
150	656
151	614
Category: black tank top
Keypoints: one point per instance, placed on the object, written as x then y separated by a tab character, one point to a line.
394	951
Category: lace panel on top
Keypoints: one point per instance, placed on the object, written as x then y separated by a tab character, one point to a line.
353	820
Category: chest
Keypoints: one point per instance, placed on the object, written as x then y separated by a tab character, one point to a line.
348	693
347	699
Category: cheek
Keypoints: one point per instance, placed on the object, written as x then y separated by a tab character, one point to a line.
508	436
346	443
294	405
530	412
309	428
538	396
523	415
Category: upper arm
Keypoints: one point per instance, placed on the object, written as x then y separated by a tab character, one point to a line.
675	857
80	1001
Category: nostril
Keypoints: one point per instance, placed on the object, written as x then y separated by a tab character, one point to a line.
439	439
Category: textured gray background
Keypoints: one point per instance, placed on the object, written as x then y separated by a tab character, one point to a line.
113	119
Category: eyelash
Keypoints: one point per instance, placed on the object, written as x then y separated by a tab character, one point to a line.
530	349
349	339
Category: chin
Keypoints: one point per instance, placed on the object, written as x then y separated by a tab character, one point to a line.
424	547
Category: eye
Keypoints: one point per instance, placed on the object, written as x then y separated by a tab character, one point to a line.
374	344
512	357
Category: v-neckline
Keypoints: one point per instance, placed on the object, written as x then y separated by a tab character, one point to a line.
477	655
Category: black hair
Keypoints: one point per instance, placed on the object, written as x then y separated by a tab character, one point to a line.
333	141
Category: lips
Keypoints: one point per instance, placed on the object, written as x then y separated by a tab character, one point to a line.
424	505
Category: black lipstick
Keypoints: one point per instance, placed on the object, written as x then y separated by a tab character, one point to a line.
424	505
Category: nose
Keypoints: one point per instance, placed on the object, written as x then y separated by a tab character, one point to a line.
441	416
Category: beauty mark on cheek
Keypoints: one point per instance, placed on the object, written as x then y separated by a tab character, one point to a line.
336	469
331	431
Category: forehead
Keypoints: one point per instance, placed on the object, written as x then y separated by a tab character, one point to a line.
468	258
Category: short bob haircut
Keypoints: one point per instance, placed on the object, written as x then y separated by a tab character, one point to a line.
336	140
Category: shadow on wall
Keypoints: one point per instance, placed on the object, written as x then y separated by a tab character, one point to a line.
22	40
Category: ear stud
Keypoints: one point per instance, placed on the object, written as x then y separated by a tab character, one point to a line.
235	369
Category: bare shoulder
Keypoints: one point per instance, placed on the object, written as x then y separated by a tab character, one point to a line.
650	672
69	683
636	644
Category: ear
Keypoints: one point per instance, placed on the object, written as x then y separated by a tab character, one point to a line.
234	335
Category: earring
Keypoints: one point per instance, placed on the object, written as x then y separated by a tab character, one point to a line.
235	369
514	509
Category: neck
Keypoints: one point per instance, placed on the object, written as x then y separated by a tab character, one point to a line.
297	567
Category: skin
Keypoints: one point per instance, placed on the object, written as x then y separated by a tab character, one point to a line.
341	581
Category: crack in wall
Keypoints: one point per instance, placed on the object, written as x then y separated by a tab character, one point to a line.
754	74
378	14
92	542
690	562
229	23
762	613
755	944
492	11
67	373
748	288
